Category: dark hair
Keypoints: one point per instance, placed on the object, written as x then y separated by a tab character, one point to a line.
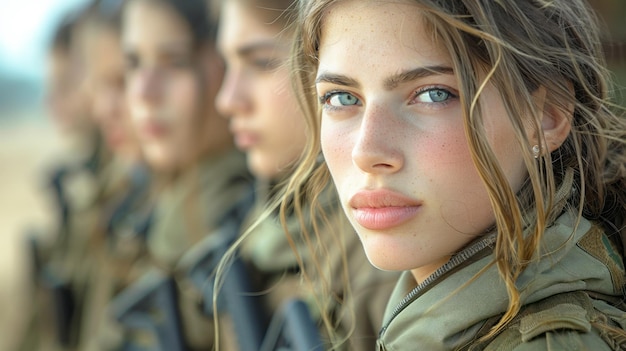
101	13
62	36
196	13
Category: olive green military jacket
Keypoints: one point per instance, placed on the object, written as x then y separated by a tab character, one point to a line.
113	251
448	310
184	214
83	182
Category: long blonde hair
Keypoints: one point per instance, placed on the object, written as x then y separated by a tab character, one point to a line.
518	46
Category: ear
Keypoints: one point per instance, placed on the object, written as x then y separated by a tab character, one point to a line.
556	121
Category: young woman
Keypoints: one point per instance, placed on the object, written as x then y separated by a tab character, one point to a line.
73	181
172	76
473	146
68	106
255	38
115	243
104	63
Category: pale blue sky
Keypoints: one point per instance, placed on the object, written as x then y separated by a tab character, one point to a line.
25	27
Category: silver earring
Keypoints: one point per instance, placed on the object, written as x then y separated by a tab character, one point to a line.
536	151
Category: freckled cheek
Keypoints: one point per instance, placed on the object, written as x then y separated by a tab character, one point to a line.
445	148
337	148
461	197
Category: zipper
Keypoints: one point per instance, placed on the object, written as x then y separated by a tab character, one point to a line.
485	242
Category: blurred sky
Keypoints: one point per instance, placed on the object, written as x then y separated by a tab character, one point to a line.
25	28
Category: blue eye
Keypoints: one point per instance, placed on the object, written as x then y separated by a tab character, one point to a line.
339	99
434	95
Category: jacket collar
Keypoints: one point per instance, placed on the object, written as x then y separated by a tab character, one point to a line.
447	311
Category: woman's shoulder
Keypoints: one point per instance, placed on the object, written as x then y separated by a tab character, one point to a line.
567	321
556	340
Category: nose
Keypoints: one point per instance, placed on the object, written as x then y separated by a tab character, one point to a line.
232	98
146	85
378	147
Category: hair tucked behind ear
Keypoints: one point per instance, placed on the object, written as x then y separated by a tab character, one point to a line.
518	46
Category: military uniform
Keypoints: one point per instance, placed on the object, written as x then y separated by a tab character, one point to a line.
79	186
184	215
119	244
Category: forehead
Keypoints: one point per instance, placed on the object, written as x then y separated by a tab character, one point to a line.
242	24
148	23
378	33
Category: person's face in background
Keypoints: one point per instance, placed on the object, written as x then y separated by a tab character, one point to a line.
256	94
68	105
105	66
167	90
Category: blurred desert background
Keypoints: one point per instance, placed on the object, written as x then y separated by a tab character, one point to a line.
29	143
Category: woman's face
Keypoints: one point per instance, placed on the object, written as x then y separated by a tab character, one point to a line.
173	122
256	94
105	62
68	106
392	135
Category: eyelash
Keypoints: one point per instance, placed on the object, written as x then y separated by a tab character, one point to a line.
178	62
324	99
434	104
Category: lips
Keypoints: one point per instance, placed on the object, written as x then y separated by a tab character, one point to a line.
245	139
154	130
383	209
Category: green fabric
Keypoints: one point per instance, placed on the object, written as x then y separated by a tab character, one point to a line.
185	213
84	176
450	313
267	246
194	205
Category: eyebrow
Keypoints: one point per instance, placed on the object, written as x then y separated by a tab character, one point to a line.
249	49
176	47
411	75
390	82
338	79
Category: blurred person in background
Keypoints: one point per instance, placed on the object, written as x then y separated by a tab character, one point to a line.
67	105
255	38
118	241
172	76
75	184
83	267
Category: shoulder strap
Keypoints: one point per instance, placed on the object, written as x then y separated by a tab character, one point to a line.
566	311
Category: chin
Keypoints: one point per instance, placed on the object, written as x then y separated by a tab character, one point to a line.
386	263
262	169
387	256
160	161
